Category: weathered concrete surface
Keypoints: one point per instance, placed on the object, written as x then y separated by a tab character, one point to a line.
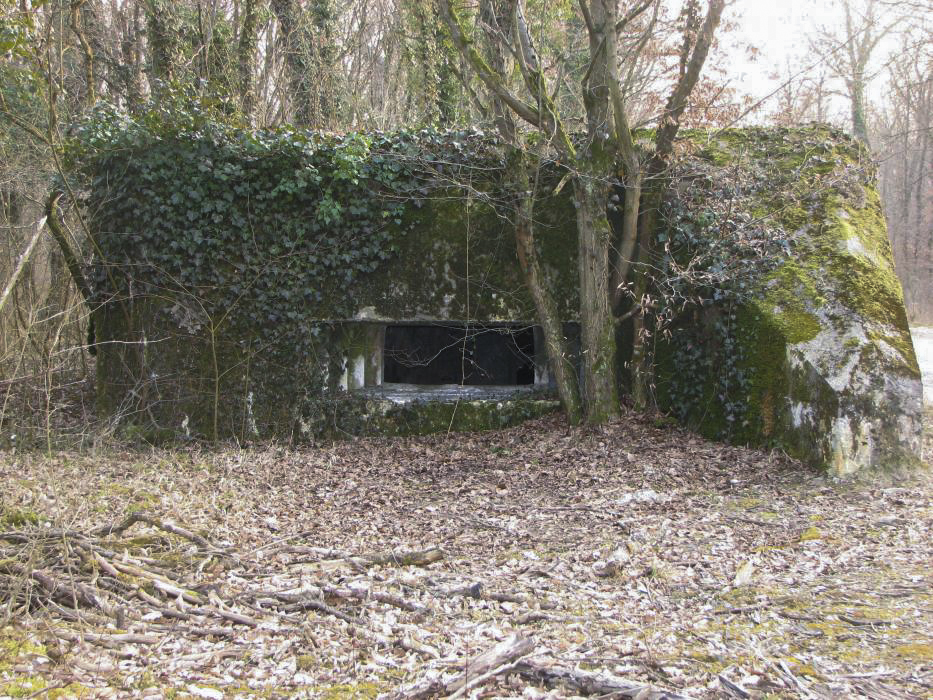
853	395
826	368
855	385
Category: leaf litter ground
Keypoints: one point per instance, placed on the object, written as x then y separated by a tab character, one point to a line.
624	561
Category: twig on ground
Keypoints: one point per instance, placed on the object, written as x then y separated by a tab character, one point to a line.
590	682
167	526
502	655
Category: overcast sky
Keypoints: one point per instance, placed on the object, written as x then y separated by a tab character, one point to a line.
779	29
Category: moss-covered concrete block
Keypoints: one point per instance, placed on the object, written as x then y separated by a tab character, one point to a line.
832	377
457	261
425	417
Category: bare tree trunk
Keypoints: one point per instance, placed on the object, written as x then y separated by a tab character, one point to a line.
497	19
309	54
642	362
627	239
68	253
78	26
857	101
324	55
21	263
246	56
863	31
162	33
595	168
598	343
698	39
128	29
559	359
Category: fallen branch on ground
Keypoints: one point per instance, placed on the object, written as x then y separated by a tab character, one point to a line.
165	525
96	578
590	682
419	557
497	659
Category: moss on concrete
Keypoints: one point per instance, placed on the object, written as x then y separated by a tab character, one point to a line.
791	297
832	312
455	260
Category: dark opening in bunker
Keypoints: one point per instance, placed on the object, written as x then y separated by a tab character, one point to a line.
473	355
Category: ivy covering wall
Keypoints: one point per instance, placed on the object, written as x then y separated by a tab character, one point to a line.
223	256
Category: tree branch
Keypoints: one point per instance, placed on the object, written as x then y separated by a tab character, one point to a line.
632	15
677	103
537	85
71	259
493	81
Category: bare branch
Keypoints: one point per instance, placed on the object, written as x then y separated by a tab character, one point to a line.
494	82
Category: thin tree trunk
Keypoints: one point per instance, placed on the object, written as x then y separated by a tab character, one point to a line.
857	98
497	19
71	259
628	239
246	56
559	358
598	344
21	264
293	46
324	59
591	188
307	43
78	26
163	36
642	362
918	198
131	71
693	57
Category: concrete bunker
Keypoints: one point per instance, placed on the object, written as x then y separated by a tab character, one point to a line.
362	329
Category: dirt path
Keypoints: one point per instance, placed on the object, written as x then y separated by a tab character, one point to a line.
635	550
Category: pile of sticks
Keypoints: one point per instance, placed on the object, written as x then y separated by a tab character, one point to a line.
104	581
127	593
112	591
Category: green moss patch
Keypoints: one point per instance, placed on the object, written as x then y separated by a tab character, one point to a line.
18	648
837	276
14	643
811	533
18	517
357	691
